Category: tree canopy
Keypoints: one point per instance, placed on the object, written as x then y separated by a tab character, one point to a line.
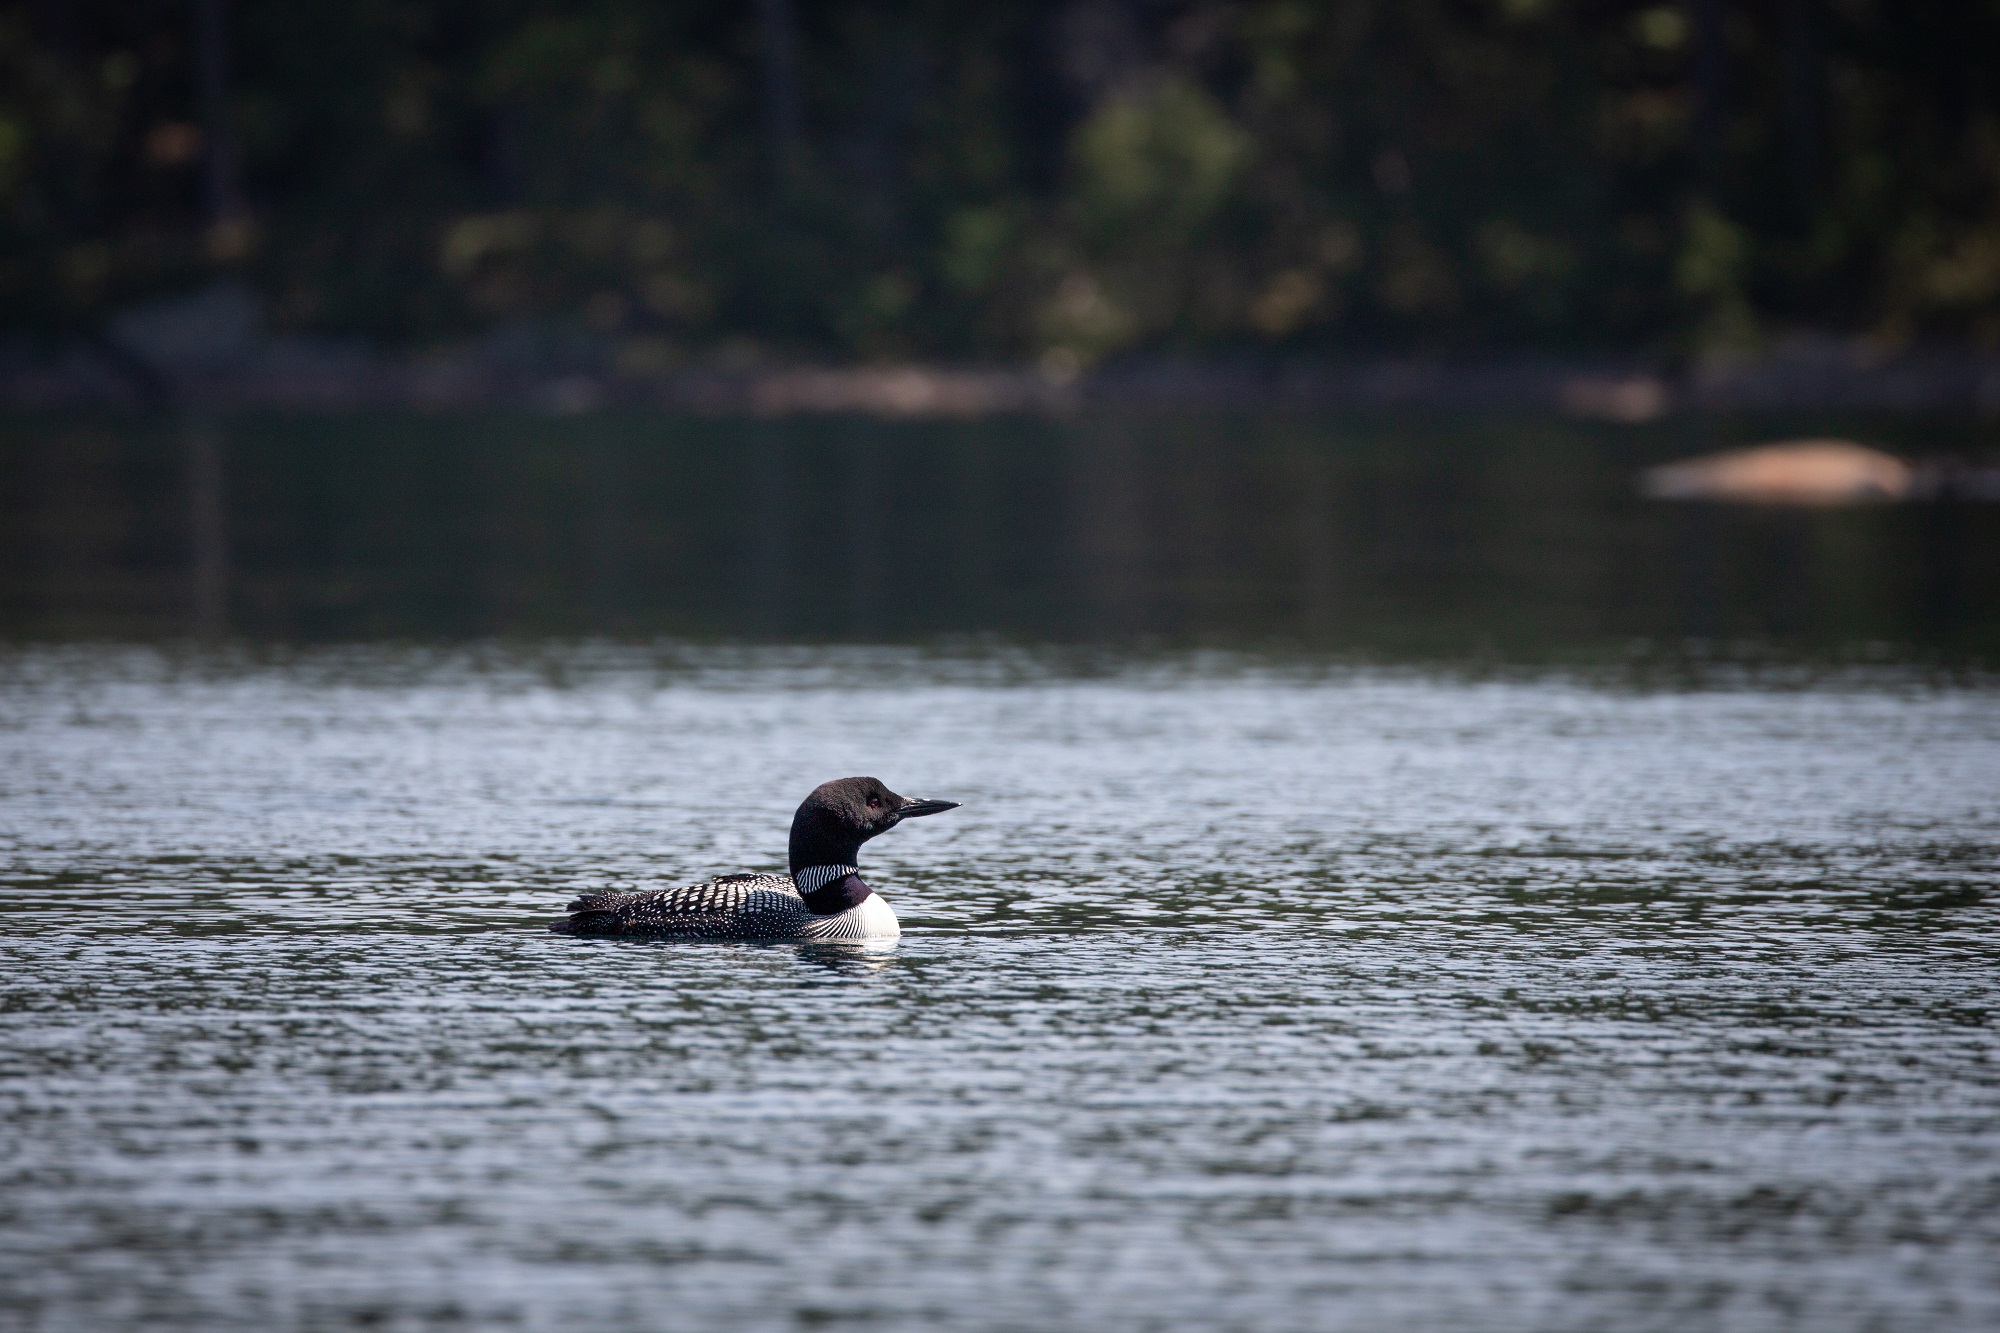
1063	181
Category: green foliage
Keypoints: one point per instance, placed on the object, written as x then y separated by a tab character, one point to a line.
1059	180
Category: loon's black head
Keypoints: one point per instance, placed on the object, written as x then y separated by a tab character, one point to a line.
838	817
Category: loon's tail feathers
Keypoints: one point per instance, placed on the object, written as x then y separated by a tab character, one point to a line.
592	914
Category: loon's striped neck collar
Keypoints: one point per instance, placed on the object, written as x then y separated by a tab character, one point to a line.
814	878
831	890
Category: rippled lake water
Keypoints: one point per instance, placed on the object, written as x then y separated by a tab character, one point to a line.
1239	995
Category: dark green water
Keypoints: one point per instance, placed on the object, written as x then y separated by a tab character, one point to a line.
1236	996
1405	537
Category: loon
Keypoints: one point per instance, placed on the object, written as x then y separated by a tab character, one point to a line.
822	899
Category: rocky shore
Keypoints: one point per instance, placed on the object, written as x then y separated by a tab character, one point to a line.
211	350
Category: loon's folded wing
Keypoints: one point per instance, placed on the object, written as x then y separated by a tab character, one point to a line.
731	906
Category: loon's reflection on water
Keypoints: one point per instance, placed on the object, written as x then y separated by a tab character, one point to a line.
852	958
842	957
1242	993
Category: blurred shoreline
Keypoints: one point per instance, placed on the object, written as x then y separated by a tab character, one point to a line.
209	350
300	375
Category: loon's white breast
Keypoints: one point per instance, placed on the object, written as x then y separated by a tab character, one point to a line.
870	919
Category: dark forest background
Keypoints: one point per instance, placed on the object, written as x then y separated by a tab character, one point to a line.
1061	181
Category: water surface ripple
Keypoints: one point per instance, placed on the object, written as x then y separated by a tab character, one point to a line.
1237	996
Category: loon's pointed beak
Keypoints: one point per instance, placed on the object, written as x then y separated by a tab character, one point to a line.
911	808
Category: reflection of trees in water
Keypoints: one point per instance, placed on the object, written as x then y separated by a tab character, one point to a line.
866	574
1398	536
1110	530
767	540
1313	496
208	530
